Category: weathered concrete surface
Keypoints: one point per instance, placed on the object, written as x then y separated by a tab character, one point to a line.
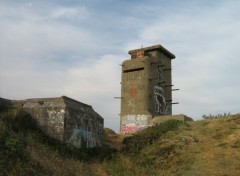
49	114
161	119
65	119
82	124
146	87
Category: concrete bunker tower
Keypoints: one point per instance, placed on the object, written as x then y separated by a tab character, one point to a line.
146	87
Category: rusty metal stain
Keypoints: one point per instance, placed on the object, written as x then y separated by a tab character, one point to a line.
138	54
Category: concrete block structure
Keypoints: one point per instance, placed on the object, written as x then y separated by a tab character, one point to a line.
146	87
163	118
65	119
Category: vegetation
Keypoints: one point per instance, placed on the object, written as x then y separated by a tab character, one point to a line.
135	143
26	150
210	116
206	147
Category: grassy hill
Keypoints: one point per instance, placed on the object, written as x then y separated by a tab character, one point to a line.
206	147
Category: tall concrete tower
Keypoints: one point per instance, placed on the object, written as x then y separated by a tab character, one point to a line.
146	87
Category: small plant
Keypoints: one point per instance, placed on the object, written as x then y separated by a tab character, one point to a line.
210	116
15	143
236	144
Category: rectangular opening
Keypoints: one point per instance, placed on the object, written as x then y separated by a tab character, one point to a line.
133	70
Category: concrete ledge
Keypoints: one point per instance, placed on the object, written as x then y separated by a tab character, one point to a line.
153	48
161	119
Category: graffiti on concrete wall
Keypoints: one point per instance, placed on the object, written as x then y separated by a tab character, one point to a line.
133	86
135	97
132	93
160	101
56	119
78	137
133	123
82	138
161	105
66	120
85	130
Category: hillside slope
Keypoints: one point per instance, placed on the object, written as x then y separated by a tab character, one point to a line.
206	147
26	150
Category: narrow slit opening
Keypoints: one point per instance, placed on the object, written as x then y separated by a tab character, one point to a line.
133	70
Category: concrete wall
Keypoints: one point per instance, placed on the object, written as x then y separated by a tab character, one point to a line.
160	82
134	92
146	87
161	119
83	126
64	119
49	114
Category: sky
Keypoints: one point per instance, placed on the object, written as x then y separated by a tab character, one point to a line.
51	48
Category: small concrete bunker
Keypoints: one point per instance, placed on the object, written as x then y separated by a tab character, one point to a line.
66	120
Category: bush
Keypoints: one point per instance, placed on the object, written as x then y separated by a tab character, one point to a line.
210	116
15	143
146	137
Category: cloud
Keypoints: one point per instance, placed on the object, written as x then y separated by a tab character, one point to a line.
33	40
69	13
97	84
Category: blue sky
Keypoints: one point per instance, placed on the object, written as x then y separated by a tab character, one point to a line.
74	48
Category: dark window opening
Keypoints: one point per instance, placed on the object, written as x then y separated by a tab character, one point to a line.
133	70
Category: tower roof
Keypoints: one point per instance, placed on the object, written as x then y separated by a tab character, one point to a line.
153	48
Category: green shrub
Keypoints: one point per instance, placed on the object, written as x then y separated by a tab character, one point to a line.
210	116
15	143
17	121
146	137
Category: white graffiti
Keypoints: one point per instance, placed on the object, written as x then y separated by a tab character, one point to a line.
161	106
56	120
141	119
160	101
133	123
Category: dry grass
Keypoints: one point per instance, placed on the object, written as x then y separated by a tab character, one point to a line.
217	152
206	147
57	165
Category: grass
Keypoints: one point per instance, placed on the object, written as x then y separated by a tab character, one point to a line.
206	147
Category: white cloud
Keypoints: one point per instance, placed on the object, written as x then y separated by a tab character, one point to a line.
33	43
69	13
97	85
